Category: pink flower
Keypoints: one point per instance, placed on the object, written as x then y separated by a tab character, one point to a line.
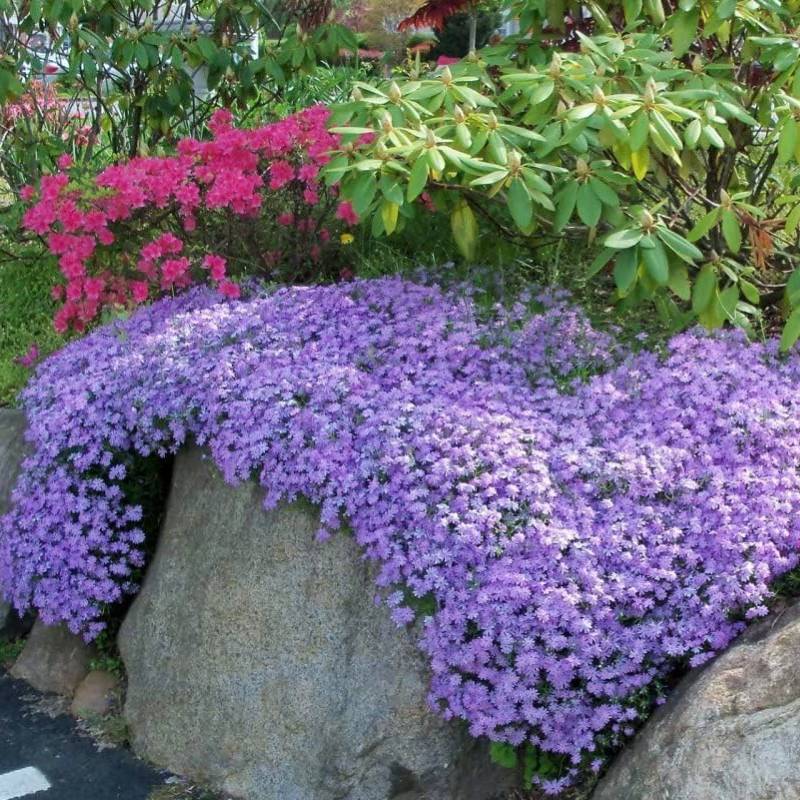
229	289
139	291
50	69
286	219
29	358
64	161
27	193
216	266
346	213
446	61
280	173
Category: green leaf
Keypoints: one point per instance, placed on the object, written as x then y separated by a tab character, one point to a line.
626	268
640	130
520	204
731	230
750	292
600	261
465	230
389	215
418	178
704	225
683	29
656	262
565	205
692	133
590	208
704	289
791	331
787	143
624	239
679	281
683	249
604	192
793	288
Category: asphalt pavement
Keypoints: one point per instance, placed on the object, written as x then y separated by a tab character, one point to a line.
48	758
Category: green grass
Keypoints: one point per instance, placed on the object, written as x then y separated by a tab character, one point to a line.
26	315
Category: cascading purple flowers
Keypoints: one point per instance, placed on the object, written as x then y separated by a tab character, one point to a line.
579	536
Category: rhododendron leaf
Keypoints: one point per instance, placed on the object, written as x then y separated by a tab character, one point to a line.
622	240
731	230
418	178
520	204
750	292
590	209
565	205
679	281
600	261
465	230
704	225
791	331
656	263
682	248
640	159
626	269
705	288
389	216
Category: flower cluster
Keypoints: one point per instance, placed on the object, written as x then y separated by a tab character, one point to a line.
145	227
563	541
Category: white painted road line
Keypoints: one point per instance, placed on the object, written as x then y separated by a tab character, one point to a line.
21	783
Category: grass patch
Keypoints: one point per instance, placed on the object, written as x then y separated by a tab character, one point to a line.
26	313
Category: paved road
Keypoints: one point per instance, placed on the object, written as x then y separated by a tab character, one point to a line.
47	759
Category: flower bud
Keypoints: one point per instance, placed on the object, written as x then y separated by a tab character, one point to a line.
430	138
555	66
395	94
447	76
582	168
493	123
386	123
514	162
599	96
458	114
647	220
356	95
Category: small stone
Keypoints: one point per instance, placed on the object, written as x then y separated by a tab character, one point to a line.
96	695
54	660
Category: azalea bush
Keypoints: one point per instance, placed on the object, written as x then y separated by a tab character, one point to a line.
663	137
567	521
245	202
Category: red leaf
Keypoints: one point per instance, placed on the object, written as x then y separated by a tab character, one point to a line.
433	14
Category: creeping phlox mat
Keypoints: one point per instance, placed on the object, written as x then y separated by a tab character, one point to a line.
566	520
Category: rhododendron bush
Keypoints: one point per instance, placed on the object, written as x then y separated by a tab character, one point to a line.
244	202
564	541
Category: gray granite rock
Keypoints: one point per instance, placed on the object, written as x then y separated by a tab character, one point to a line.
12	451
54	660
258	662
731	731
96	695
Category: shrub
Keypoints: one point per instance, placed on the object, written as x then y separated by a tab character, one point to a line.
668	144
568	520
246	202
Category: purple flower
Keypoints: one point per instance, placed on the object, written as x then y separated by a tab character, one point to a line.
575	519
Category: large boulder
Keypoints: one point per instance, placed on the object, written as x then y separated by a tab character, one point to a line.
258	662
730	732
